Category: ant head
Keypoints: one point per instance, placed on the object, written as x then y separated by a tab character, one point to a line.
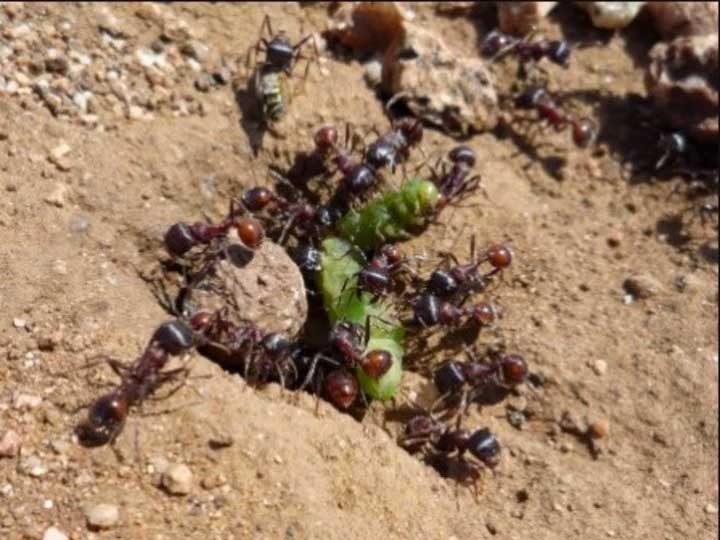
499	256
342	388
392	254
325	139
514	369
257	198
250	231
105	420
411	128
463	154
280	51
584	132
376	363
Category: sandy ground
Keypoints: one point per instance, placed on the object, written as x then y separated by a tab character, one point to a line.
76	228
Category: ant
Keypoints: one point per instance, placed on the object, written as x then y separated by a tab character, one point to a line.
181	237
584	131
393	147
107	415
429	311
463	382
464	278
496	45
376	277
454	183
280	53
350	340
445	448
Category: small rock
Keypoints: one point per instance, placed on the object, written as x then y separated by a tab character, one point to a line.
26	402
57	196
571	422
373	72
9	444
566	447
19	323
177	480
59	446
615	239
599	428
642	286
102	516
60	150
518	18
58	64
32	466
204	82
54	533
213	480
221	440
710	509
195	49
599	367
611	15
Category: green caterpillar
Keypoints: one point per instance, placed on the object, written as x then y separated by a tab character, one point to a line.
337	281
390	217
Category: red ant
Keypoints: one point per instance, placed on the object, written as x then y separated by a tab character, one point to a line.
496	44
180	238
107	415
429	311
584	131
454	183
446	448
350	340
464	278
465	381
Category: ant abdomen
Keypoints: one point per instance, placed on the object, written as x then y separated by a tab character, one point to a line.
179	239
484	445
105	419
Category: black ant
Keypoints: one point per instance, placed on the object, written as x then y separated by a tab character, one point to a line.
280	53
393	147
107	415
464	278
445	448
456	182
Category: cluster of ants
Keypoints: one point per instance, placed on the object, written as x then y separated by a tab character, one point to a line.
308	200
535	97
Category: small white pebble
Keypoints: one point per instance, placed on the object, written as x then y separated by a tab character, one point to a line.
600	367
48	504
710	508
26	402
177	479
54	534
102	516
19	323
